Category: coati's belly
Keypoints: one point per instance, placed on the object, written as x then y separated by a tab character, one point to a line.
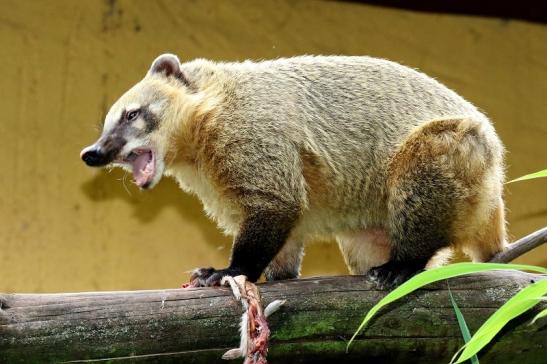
328	222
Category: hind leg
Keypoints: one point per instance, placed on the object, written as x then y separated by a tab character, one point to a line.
420	210
286	264
432	181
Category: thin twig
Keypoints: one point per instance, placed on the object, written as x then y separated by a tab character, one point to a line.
521	246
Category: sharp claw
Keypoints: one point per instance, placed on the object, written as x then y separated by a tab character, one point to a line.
210	277
213	280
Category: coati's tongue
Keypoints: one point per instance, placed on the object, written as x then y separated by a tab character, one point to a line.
143	168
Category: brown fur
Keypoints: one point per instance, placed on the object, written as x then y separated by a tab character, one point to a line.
458	149
481	238
313	172
434	140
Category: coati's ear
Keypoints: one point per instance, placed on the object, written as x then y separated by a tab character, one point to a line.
168	64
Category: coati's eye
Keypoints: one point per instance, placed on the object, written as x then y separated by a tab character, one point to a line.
132	115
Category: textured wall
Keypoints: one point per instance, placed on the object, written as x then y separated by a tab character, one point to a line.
65	227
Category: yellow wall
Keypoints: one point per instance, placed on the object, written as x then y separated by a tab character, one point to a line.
65	227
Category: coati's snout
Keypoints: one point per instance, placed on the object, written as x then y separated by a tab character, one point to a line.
104	151
94	156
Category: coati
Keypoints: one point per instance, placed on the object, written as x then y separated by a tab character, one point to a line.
388	161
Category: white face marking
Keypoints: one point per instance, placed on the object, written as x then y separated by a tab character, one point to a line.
132	107
156	107
111	120
139	124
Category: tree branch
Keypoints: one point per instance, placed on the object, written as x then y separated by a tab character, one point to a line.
521	246
199	325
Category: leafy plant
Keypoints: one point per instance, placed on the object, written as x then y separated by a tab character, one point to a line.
539	174
434	275
527	298
463	325
539	315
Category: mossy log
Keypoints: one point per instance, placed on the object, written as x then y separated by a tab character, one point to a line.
320	315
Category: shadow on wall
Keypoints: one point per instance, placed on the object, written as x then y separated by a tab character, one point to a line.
148	205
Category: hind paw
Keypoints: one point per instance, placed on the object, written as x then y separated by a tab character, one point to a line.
393	274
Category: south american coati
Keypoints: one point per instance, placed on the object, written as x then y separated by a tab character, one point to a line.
394	166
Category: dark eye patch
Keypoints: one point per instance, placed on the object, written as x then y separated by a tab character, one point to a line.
150	119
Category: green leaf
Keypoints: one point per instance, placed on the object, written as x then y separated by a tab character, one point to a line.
527	298
539	315
463	325
434	275
539	174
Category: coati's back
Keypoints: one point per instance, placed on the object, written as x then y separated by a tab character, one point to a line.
365	93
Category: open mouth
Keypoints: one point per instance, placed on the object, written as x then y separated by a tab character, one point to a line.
142	162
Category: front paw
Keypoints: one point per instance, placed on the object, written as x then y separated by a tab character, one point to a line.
211	277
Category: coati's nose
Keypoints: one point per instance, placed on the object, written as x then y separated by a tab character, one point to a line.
93	156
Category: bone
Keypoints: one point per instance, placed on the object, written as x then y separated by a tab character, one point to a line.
253	327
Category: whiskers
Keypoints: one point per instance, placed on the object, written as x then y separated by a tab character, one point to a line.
123	183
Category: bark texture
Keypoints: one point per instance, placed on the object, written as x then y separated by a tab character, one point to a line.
199	325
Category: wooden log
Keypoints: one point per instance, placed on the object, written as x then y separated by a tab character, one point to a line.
198	325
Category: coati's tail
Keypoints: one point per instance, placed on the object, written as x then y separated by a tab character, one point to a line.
444	189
